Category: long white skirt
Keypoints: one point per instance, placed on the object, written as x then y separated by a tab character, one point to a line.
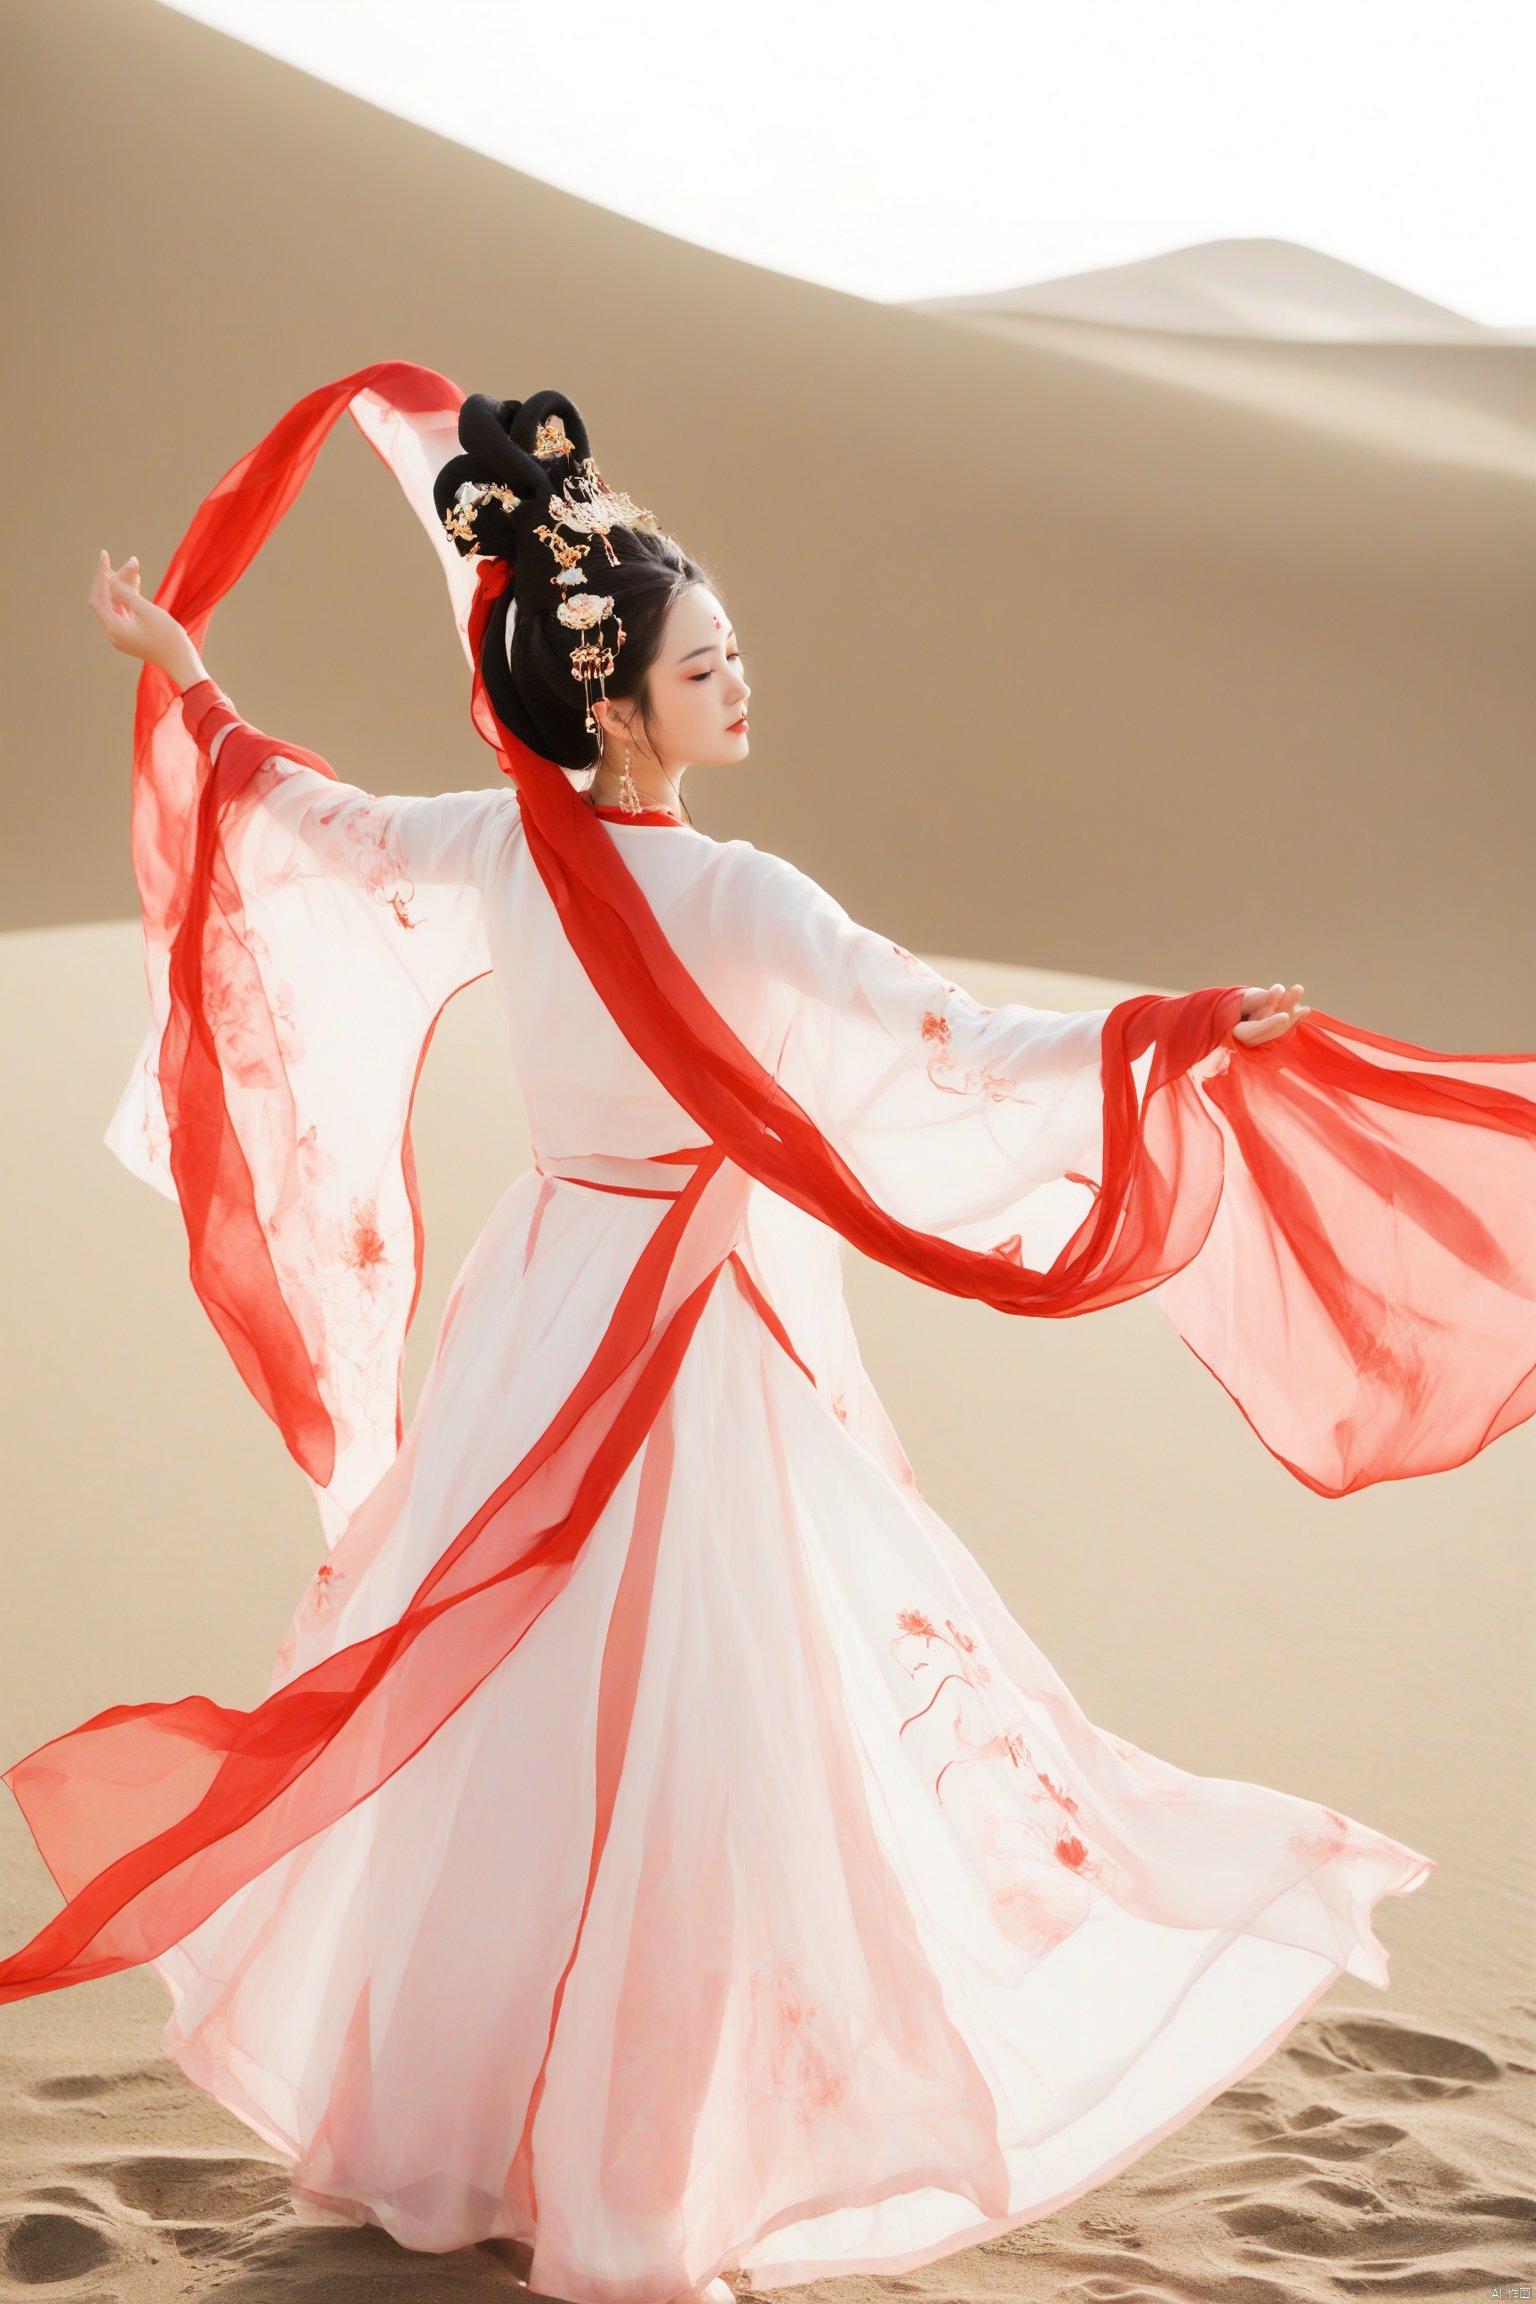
772	1909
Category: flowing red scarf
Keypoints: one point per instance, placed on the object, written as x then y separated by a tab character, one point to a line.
1340	1226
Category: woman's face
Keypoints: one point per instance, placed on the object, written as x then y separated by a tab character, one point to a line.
698	690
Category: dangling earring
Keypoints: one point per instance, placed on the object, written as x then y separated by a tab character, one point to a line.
629	790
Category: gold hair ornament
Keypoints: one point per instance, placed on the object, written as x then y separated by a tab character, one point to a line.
552	438
584	608
459	519
588	507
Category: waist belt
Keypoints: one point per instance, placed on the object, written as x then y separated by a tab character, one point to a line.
647	1179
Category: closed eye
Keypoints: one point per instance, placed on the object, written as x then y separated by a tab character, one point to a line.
734	658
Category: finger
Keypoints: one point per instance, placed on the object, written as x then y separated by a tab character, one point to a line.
1258	1030
100	599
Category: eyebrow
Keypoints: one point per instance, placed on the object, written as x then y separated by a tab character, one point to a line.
704	651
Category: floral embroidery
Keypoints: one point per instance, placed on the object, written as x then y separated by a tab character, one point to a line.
315	1163
239	1019
1318	1843
363	1249
1004	1742
783	2015
935	1028
326	1578
375	858
290	1045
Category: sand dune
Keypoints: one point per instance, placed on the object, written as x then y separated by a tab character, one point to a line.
1465	410
1058	656
1364	1652
1268	288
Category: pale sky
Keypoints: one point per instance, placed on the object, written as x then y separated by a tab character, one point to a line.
906	148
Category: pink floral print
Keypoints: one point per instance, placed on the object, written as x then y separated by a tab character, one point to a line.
376	862
784	2025
965	1671
363	1248
979	1080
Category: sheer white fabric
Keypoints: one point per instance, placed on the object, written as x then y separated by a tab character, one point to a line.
888	1947
364	913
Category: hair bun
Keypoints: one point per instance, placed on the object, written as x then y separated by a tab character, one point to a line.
516	453
541	668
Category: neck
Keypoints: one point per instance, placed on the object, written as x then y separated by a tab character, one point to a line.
653	786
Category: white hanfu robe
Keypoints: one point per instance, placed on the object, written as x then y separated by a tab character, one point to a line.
772	1907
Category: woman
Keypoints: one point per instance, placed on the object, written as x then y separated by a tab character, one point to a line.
660	1846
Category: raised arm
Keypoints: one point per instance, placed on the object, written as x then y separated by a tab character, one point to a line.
301	937
392	844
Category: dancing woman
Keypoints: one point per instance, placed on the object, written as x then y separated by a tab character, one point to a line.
659	1846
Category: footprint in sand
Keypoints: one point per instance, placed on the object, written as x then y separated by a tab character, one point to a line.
194	2188
1403	2062
1032	2239
1105	2225
44	2245
86	2087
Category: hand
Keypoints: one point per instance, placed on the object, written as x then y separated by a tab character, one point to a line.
1266	1014
136	627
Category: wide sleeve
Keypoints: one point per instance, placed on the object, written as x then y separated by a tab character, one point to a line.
1337	1224
980	1125
302	937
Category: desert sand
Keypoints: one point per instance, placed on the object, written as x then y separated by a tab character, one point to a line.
1243	687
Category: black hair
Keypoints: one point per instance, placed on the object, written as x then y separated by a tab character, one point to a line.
536	690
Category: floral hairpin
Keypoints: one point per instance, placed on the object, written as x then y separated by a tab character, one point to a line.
570	556
459	519
598	509
586	505
552	438
584	608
